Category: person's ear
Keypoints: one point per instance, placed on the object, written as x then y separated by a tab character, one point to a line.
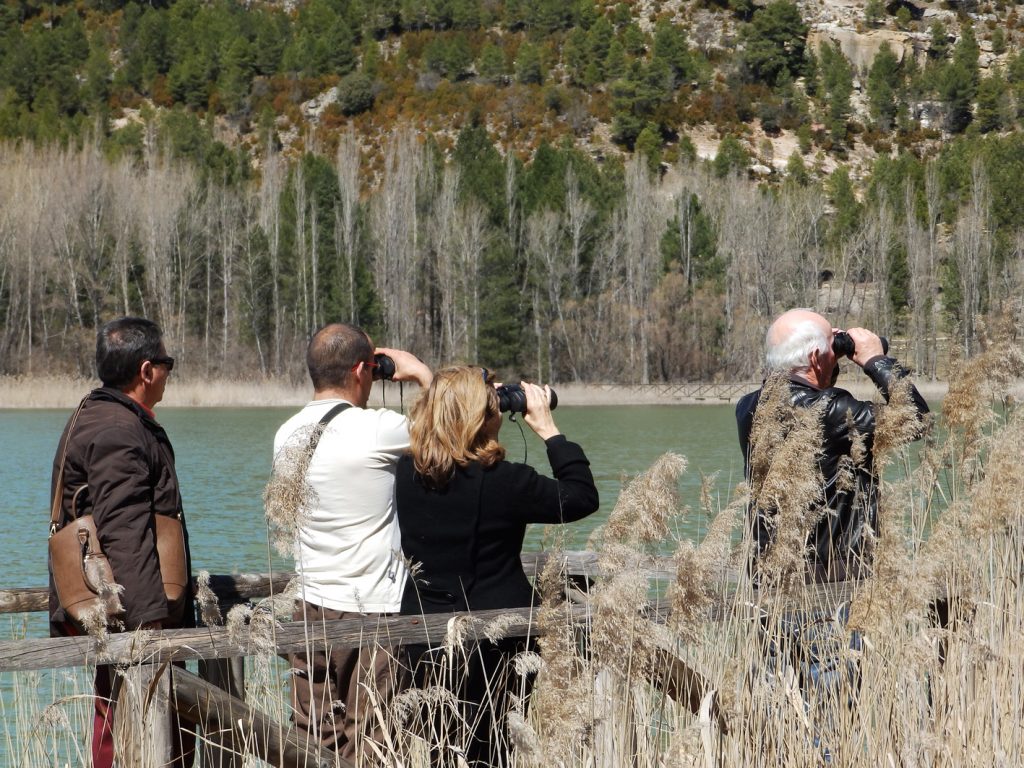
146	371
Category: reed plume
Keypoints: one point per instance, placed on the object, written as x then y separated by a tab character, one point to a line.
288	496
618	637
997	504
975	384
700	570
646	504
785	483
206	601
561	698
890	594
498	627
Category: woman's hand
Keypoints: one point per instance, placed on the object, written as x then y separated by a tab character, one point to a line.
538	410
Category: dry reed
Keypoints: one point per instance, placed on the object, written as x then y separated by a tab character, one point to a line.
288	495
785	484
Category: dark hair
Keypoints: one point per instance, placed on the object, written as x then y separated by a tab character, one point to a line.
333	352
122	346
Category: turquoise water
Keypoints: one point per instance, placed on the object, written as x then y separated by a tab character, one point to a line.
223	459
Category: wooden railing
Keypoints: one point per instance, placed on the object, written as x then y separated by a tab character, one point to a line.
685	391
216	699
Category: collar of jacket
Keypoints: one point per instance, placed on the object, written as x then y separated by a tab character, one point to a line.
802	382
111	395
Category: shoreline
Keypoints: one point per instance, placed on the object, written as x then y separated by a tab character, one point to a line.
41	392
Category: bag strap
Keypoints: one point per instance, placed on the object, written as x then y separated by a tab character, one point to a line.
321	425
58	489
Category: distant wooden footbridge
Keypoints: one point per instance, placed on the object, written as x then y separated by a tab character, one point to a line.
727	392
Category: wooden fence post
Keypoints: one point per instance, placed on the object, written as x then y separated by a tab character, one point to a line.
142	716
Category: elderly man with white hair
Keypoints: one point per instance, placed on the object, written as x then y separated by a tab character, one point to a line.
800	345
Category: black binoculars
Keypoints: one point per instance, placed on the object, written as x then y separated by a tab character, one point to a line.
385	369
843	346
511	397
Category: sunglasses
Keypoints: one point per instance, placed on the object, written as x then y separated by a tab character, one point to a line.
371	364
168	361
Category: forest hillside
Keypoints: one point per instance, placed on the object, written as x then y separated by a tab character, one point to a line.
581	191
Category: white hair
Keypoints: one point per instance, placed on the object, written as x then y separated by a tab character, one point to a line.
793	353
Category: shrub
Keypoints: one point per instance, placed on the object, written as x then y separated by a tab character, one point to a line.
355	93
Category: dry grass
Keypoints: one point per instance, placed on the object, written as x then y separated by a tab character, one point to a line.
905	690
66	391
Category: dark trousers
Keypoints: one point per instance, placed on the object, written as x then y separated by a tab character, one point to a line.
484	683
329	689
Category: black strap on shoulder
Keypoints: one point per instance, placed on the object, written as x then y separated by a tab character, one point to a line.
322	424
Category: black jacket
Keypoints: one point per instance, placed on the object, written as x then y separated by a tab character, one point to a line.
126	459
838	541
467	538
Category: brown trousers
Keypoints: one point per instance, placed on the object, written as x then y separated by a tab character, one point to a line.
329	688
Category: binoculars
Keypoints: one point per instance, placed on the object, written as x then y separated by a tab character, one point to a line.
843	346
511	397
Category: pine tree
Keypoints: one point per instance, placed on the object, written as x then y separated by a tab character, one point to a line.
491	66
648	145
847	209
775	41
837	79
529	69
883	82
730	158
992	103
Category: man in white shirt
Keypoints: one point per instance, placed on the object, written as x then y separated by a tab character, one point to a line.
348	553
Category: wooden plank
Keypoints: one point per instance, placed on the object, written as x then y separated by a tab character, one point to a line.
237	588
199	702
24	600
231	589
215	643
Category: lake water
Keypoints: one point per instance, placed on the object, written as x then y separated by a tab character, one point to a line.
223	460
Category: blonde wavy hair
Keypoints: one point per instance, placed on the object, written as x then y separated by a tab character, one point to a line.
449	424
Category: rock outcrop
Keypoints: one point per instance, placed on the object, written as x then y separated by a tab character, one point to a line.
862	47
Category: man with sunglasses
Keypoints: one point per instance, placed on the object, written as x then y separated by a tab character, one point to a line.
348	551
119	466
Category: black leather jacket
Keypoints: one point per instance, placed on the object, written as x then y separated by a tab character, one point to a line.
838	540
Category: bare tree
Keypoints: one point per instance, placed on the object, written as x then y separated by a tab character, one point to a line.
447	268
301	245
547	267
395	224
471	238
251	274
643	222
878	227
346	216
922	267
270	219
972	251
165	190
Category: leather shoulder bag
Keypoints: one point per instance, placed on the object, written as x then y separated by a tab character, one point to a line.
82	575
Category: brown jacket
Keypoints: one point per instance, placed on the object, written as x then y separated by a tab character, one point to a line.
126	459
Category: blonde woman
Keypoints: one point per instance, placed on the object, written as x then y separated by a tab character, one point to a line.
463	512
